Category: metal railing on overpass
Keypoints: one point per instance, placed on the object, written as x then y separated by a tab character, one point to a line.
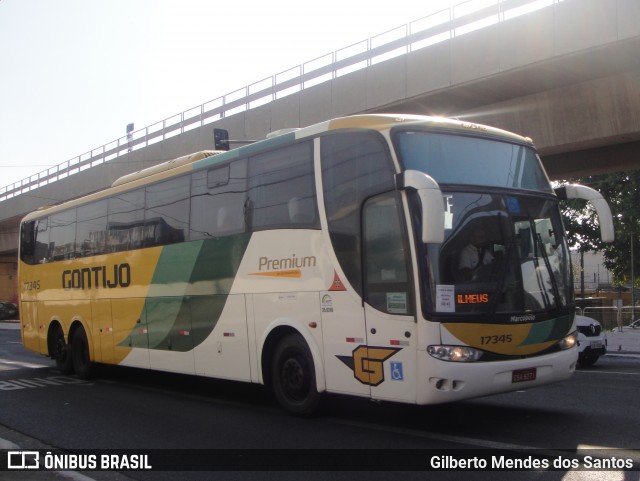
438	27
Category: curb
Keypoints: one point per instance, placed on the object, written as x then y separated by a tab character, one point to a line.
623	354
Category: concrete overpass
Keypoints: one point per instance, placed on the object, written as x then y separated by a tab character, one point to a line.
566	74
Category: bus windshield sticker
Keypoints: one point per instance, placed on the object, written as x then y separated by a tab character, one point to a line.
448	211
327	303
397	302
445	298
396	371
513	205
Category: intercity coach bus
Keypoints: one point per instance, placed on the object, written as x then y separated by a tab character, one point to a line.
401	258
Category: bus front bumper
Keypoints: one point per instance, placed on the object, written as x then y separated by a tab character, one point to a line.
442	381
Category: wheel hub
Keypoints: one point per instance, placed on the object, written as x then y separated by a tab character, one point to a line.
293	376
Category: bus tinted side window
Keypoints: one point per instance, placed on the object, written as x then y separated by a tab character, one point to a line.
209	203
91	229
41	254
167	213
282	189
34	241
355	166
217	201
62	235
125	226
28	242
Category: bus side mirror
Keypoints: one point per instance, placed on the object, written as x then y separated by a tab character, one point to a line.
577	191
432	204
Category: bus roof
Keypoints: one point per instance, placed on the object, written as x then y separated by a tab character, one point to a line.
378	122
206	159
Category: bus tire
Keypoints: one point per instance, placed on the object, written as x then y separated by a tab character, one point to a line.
293	376
81	361
59	351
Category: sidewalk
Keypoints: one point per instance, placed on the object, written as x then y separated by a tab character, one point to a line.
4	324
624	342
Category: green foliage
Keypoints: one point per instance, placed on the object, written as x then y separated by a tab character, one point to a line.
622	192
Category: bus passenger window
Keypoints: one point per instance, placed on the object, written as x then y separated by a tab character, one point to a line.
275	179
62	232
301	211
167	213
41	255
217	201
91	230
126	221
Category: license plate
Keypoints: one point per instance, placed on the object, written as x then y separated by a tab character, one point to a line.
523	375
596	344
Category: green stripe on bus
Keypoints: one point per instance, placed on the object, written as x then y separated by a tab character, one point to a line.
203	272
548	330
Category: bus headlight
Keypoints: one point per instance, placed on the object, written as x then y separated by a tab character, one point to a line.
569	341
455	353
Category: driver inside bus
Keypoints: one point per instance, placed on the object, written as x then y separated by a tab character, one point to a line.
475	255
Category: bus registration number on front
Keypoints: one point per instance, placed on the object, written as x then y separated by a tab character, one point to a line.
523	375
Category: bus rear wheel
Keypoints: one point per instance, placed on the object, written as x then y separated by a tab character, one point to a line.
59	351
294	377
81	361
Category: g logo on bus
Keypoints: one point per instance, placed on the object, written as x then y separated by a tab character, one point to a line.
367	363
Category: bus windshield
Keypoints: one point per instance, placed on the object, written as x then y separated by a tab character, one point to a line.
455	159
504	257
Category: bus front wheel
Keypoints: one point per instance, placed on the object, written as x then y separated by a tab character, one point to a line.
294	377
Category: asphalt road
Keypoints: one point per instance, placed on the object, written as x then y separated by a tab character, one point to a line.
140	410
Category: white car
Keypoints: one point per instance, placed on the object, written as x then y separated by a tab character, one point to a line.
592	342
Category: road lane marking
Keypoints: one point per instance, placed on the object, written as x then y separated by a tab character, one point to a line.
17	364
40	382
488	444
611	372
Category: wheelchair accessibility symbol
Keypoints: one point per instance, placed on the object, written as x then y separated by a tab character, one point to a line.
396	371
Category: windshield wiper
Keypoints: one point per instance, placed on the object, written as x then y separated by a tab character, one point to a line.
552	277
502	278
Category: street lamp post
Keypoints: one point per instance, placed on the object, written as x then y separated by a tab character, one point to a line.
633	276
129	135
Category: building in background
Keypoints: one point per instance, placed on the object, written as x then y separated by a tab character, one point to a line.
596	276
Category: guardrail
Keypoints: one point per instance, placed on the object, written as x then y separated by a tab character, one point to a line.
612	317
444	25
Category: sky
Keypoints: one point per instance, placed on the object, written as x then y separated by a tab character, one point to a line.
74	73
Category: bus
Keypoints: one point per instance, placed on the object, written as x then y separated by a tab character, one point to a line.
400	258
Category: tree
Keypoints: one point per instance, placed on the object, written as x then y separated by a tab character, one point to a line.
622	192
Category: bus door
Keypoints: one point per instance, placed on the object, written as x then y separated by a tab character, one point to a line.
344	338
389	307
371	351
